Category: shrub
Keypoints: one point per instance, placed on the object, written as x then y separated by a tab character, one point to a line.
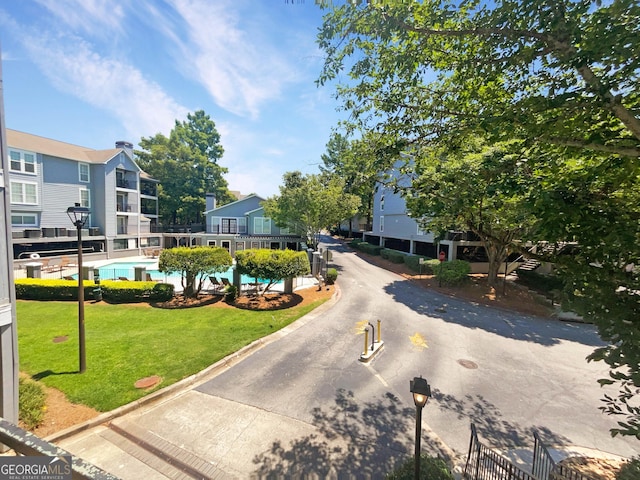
162	292
31	403
540	282
395	256
452	273
354	243
413	262
45	289
332	276
230	293
431	468
630	470
366	247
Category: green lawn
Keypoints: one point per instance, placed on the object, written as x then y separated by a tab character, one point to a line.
125	343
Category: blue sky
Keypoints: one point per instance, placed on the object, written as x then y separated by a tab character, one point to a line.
91	72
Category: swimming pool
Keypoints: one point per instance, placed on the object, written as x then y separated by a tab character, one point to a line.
122	269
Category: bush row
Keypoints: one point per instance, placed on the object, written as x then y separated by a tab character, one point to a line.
449	273
112	291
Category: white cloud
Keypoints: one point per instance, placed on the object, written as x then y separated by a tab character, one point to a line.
113	85
95	17
235	63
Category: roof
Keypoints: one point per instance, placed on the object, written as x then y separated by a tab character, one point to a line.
245	198
55	148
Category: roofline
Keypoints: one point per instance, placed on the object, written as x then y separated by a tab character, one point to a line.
251	195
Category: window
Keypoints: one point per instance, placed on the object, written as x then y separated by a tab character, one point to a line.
24	162
226	244
121	227
261	225
230	225
85	196
284	230
25	193
382	202
25	219
83	172
382	223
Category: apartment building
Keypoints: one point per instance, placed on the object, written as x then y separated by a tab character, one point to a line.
47	176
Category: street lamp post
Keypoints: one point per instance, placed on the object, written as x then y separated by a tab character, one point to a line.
421	391
78	216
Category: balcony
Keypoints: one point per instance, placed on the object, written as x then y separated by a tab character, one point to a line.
125	183
122	207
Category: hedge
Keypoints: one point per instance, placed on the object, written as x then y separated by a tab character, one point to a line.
395	256
366	247
427	268
112	291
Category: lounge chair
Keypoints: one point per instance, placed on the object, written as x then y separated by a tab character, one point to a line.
68	277
216	284
124	279
225	282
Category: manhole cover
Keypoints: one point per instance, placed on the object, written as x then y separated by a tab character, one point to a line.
468	364
148	382
60	339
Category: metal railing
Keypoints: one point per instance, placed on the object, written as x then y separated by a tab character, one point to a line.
26	443
543	462
485	464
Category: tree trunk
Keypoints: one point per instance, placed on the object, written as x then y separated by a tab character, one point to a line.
497	253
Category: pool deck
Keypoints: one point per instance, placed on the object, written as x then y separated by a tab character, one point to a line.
302	282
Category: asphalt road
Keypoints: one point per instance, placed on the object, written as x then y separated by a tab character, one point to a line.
304	403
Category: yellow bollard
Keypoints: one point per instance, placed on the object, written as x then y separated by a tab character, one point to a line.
379	332
366	341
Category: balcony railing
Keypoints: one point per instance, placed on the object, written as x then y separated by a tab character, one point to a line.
125	183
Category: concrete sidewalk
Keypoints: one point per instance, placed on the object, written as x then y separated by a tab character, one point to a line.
232	437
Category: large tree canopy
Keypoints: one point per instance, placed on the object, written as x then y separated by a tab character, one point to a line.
564	72
561	78
307	204
186	164
479	189
355	162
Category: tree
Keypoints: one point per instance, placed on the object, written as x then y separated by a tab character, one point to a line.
272	265
560	76
194	264
308	204
356	162
479	189
563	72
186	164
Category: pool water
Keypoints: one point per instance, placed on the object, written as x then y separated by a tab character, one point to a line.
115	270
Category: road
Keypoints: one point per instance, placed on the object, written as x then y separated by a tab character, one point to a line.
304	403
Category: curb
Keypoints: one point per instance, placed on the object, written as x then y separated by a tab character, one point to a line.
187	383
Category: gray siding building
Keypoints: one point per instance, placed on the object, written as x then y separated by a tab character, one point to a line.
241	225
48	176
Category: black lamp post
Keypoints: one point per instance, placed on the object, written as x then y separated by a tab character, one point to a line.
78	216
421	392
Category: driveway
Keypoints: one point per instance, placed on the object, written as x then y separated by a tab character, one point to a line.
304	403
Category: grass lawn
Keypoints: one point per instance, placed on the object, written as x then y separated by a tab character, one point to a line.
125	343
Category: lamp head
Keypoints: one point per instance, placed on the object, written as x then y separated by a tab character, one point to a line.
78	215
421	391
